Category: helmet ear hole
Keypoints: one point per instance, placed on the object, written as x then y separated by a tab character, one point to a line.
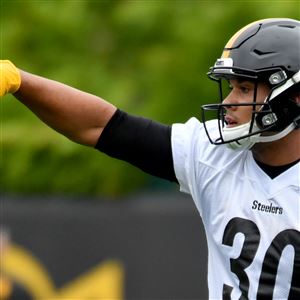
296	97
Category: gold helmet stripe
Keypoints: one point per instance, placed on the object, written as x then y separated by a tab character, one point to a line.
230	43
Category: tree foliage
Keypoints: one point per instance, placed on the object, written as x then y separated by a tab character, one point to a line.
148	57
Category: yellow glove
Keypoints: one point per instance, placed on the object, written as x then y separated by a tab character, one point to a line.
10	78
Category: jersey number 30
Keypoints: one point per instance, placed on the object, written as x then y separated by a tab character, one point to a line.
271	260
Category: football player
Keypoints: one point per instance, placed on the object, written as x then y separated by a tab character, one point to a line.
241	168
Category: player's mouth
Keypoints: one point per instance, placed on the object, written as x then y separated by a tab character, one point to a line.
230	122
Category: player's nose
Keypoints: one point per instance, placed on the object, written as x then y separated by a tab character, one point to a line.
230	102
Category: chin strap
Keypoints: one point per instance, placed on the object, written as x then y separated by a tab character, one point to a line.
275	137
241	130
248	142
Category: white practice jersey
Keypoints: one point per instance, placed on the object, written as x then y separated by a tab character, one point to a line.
252	222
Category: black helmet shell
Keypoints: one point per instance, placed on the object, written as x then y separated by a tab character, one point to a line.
266	44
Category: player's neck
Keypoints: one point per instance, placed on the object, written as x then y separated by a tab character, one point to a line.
281	152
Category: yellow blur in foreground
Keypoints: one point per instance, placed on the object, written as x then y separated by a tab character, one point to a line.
104	281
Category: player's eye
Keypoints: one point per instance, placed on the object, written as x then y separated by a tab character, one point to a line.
244	89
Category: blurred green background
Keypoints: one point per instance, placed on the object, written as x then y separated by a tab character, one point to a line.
149	58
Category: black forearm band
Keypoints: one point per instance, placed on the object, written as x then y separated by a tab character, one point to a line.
141	142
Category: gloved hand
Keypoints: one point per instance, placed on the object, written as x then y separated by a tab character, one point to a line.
10	78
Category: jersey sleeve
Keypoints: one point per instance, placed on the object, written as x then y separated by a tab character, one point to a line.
184	151
196	161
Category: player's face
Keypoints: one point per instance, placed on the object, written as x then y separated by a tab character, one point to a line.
243	92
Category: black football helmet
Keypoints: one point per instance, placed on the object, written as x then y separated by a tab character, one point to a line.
264	51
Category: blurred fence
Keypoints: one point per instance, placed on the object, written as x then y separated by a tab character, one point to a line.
148	247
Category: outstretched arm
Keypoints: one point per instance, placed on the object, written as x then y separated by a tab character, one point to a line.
82	118
78	115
